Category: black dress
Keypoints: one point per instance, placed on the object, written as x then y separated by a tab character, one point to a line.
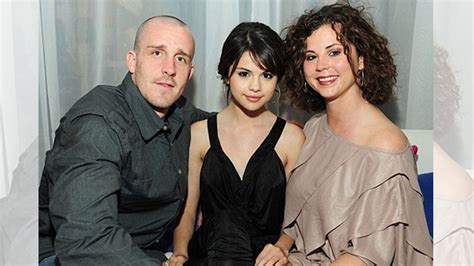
240	216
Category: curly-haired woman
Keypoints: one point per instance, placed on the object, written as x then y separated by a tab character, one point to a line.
353	197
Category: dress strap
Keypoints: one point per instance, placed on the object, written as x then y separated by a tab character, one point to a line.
275	132
212	131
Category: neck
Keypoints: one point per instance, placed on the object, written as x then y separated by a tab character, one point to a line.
347	110
242	116
161	112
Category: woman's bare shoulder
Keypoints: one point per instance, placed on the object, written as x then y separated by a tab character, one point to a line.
199	125
293	135
387	136
199	133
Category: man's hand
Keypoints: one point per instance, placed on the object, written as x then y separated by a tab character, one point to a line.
272	255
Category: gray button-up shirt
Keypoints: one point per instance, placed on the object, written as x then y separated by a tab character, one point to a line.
115	178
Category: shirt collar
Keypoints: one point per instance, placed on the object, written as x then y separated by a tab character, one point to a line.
149	123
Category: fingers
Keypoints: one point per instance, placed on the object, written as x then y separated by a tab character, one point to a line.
264	254
271	255
273	261
175	261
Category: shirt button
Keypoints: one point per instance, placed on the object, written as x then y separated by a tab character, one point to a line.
165	128
179	171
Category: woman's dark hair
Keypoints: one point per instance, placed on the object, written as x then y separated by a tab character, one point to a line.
263	43
353	27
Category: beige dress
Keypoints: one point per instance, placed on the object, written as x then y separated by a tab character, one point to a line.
345	198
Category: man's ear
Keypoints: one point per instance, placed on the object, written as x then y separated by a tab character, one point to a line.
361	62
131	61
191	71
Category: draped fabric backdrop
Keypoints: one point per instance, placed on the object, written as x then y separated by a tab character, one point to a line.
19	132
83	43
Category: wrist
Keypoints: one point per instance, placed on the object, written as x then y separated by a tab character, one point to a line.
282	248
180	255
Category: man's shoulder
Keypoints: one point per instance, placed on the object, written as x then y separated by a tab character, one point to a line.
102	98
190	111
185	105
102	101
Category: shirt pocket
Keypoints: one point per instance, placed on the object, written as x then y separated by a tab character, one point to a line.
149	179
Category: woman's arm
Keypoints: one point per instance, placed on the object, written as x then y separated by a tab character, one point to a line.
276	254
348	259
290	145
185	229
288	148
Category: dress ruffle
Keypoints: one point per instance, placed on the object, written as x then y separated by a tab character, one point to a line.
342	197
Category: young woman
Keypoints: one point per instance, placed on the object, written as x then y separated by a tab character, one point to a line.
240	158
353	197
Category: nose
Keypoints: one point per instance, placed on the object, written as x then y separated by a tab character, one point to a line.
169	67
255	85
322	64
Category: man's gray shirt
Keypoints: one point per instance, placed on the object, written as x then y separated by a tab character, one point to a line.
115	178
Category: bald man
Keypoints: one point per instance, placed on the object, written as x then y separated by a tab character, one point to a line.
115	180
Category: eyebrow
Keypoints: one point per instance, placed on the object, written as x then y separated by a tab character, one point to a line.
248	70
327	47
180	51
243	68
332	45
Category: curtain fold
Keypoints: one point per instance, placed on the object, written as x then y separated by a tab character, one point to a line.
84	44
8	112
19	132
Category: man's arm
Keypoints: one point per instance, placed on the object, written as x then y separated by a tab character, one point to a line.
85	172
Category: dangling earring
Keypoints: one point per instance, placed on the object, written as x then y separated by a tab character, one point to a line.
277	98
224	91
361	78
307	91
305	87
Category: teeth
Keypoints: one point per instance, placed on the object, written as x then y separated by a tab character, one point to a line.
327	78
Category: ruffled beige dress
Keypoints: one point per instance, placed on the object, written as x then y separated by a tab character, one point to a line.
345	198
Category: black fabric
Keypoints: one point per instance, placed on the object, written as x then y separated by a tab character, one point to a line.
115	179
240	216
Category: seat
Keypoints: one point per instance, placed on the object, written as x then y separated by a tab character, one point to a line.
426	185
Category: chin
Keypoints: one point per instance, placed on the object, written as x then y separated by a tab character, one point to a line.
254	109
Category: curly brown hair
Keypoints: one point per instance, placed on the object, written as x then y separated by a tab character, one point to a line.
355	28
446	97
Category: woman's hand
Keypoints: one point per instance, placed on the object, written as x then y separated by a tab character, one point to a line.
272	255
176	260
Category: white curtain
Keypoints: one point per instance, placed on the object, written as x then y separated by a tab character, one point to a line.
85	42
19	132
